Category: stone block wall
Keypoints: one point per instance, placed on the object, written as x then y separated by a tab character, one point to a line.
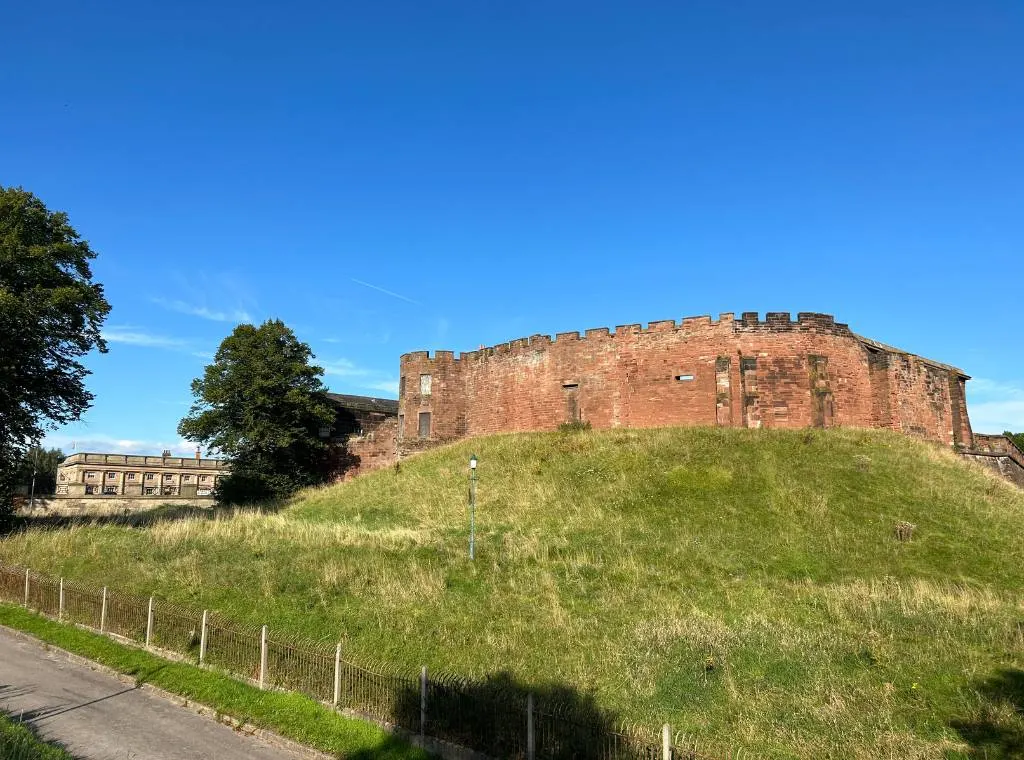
741	372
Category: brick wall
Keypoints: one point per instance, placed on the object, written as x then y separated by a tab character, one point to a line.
374	449
775	373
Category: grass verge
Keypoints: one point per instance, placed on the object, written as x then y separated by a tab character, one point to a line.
17	742
290	715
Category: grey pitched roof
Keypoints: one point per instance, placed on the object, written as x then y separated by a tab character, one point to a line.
365	403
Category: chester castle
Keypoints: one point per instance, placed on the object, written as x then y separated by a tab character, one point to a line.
741	372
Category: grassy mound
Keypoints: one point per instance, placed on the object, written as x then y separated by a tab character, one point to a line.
746	586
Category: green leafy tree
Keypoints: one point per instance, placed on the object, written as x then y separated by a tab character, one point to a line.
1017	438
51	313
262	405
43	463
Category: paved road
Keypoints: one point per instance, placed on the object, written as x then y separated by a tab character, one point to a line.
97	717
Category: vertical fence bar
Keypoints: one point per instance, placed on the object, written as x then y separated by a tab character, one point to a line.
103	610
263	657
60	602
149	622
26	588
666	742
423	701
531	734
337	675
202	640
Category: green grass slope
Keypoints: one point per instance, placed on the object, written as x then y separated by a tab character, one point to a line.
745	586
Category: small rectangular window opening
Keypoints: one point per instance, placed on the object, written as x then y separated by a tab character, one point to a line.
684	378
425	383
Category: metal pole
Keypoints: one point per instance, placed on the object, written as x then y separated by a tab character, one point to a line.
666	742
472	509
423	701
531	734
337	675
26	588
103	611
202	640
149	622
60	602
263	657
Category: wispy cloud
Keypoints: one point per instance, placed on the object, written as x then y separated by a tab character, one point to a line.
137	337
203	312
995	406
101	443
386	386
391	293
344	368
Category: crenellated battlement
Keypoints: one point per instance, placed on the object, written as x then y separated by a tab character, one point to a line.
750	370
774	321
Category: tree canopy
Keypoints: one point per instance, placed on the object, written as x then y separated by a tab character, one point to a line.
51	313
261	404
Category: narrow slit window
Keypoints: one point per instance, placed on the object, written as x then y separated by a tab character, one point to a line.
684	378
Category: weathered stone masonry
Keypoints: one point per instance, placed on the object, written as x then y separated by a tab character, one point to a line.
776	373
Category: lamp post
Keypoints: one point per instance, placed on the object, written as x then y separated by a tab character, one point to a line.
472	505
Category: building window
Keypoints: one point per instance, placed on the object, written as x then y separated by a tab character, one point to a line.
425	381
425	423
111	475
186	478
149	476
168	478
401	426
684	378
204	478
63	477
90	475
131	476
89	490
401	386
111	490
150	490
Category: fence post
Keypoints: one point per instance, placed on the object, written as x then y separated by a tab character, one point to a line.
423	701
60	602
149	622
103	611
202	640
263	657
26	588
531	734
337	675
666	742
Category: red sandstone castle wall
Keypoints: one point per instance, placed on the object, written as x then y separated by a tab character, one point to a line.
745	373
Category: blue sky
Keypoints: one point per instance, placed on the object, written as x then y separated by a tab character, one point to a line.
397	176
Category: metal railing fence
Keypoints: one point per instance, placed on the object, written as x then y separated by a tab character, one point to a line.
492	716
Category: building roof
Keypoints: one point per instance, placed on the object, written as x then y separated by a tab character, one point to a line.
365	403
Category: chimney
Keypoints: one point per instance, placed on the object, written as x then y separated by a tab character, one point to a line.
197	454
167	453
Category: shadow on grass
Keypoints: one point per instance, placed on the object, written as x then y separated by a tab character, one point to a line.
489	715
140	519
998	733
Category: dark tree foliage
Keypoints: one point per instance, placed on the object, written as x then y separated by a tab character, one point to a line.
1017	438
44	463
262	405
50	317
